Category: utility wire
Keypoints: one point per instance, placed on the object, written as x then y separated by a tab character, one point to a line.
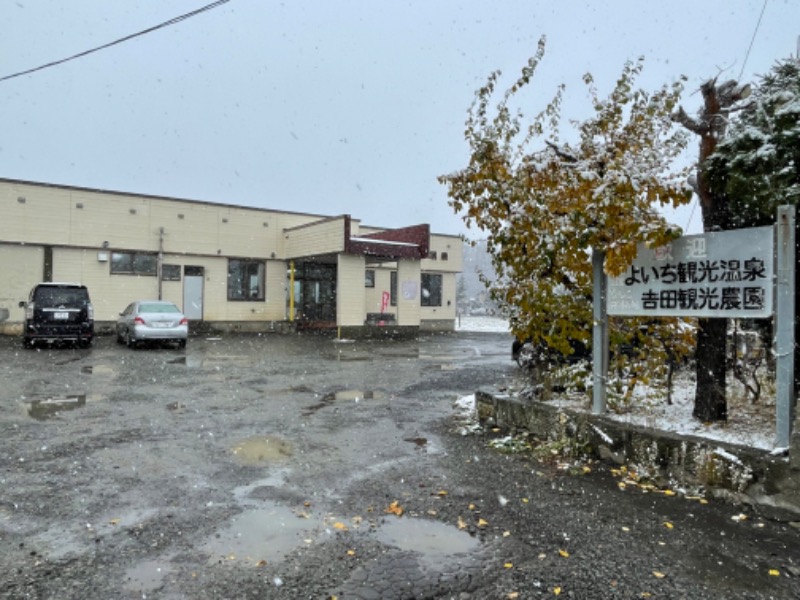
753	39
119	41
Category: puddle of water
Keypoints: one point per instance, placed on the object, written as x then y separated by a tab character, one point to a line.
419	442
146	576
98	370
345	395
435	542
47	407
258	450
242	493
260	534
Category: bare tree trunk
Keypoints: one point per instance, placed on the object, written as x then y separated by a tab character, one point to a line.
710	403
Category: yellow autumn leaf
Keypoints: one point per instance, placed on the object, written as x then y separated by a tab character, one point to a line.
512	595
340	526
659	574
669	493
626	529
557	591
351	553
668	525
395	509
506	533
525	500
482	523
471	506
774	572
509	565
442	493
261	563
461	523
564	553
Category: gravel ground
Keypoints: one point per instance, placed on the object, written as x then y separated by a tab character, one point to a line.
252	467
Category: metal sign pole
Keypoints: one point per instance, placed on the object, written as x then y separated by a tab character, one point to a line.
599	333
784	325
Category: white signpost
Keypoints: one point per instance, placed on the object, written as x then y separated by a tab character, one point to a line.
743	273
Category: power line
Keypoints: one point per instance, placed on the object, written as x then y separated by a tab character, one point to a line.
120	40
753	39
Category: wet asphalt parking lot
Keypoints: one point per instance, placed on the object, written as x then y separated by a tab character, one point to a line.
269	466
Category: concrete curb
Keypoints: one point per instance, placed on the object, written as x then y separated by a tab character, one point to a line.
740	474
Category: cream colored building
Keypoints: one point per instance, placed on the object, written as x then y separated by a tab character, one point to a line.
231	268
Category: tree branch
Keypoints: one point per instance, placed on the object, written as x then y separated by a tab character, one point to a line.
688	122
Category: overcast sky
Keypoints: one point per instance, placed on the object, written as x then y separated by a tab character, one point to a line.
330	107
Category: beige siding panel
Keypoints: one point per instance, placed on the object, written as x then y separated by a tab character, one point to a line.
350	301
449	245
322	237
21	268
408	289
43	217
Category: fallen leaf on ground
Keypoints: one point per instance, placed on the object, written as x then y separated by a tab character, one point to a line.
261	563
774	572
659	574
395	509
461	523
668	525
564	553
509	565
557	591
482	523
340	526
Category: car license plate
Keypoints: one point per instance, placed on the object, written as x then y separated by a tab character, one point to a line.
61	315
161	324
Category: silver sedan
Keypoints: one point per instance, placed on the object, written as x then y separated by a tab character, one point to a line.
152	320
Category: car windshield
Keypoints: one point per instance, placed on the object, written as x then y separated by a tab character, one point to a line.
158	308
55	296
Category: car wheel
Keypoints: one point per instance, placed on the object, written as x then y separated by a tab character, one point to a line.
84	343
526	355
129	342
120	339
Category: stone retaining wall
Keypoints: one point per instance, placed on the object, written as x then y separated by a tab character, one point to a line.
738	473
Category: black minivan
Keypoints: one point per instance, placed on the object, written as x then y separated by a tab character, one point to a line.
58	312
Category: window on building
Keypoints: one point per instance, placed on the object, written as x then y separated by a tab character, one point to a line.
431	289
246	280
133	263
393	288
369	278
432	254
170	272
444	256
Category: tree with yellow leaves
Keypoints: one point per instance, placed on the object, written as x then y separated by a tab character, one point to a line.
544	202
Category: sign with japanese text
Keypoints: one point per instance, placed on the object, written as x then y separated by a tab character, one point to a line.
721	274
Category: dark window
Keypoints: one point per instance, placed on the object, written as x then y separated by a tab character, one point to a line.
246	280
170	272
432	254
369	278
133	263
393	288
431	289
444	256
